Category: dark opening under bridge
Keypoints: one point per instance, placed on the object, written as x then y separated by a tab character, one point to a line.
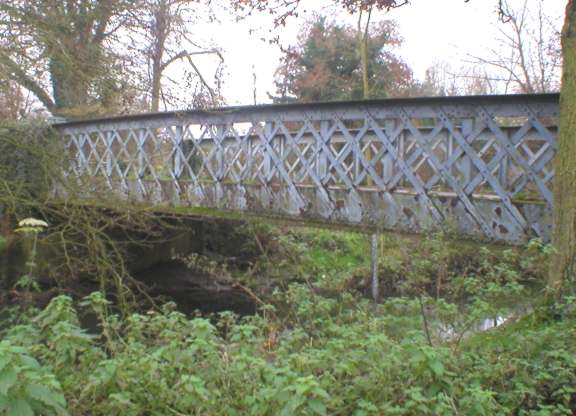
479	165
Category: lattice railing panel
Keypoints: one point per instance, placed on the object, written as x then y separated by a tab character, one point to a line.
480	165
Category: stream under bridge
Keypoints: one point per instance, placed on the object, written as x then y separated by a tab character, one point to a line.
479	166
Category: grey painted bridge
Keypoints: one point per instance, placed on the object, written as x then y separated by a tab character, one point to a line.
480	166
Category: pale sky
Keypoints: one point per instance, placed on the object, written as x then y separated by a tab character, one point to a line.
433	30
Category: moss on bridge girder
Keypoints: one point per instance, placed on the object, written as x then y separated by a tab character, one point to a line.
222	214
217	214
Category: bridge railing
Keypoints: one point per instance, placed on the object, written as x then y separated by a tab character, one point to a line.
476	165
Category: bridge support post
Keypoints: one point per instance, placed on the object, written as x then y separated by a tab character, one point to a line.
109	154
267	159
374	266
178	149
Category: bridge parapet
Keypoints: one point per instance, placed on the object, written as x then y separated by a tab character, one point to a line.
481	166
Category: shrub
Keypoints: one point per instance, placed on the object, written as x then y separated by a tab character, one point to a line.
341	357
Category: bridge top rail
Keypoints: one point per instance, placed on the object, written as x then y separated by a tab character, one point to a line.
510	105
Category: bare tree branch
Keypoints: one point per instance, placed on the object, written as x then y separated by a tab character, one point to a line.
14	71
533	65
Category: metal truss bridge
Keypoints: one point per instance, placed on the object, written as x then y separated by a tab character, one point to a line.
480	166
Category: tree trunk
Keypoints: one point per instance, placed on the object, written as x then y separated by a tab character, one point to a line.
365	84
69	86
156	85
563	267
160	30
363	40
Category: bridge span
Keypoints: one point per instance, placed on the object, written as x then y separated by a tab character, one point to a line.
480	166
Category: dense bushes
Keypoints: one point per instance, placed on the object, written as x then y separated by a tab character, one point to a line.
84	240
317	347
327	356
29	159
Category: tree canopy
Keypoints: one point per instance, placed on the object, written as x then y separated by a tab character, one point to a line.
99	56
325	64
57	50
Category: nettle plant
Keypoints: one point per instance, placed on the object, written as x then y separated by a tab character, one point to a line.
27	388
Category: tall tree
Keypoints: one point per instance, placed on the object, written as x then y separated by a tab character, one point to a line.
442	80
325	64
57	49
527	58
161	35
363	40
562	274
81	57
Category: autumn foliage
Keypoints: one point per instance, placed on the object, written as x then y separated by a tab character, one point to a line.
325	64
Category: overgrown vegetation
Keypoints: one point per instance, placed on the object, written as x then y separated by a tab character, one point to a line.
317	345
82	242
325	356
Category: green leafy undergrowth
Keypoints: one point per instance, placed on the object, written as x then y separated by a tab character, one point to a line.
343	356
27	388
430	265
327	257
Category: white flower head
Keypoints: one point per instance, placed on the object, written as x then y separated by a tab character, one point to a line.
32	222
